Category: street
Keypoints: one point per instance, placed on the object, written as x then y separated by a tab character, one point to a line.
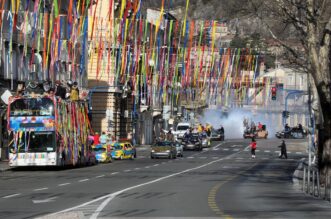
221	181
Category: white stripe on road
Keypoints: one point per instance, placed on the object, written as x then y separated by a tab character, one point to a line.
100	176
225	149
277	151
257	150
111	196
155	165
214	157
114	173
235	149
267	151
203	157
127	171
40	189
298	152
147	167
63	184
190	157
215	149
289	152
137	168
10	196
83	180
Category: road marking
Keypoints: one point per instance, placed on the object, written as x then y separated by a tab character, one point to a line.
127	171
147	167
203	157
100	176
277	151
215	149
214	157
267	151
83	180
13	195
114	173
235	149
298	152
155	165
257	150
40	189
239	158
63	184
44	200
225	149
141	157
137	168
289	152
190	157
111	196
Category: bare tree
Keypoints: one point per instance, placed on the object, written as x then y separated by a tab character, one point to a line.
309	22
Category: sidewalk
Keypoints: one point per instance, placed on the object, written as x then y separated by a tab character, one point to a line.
4	166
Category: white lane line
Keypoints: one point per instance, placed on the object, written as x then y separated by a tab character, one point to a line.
298	152
137	168
64	184
239	158
215	149
277	151
127	171
40	189
235	149
114	173
203	157
267	151
147	167
111	196
257	150
214	157
155	165
13	195
83	180
225	149
100	176
289	152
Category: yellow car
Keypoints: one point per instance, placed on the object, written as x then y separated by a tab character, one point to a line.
123	150
102	153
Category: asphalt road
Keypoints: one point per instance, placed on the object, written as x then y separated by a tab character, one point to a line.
222	181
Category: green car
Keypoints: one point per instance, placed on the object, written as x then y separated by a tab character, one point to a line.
164	149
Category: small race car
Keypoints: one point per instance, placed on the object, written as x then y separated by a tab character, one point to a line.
164	149
193	142
122	151
102	153
256	133
294	133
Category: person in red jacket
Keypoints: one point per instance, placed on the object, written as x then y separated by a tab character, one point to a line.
96	139
253	147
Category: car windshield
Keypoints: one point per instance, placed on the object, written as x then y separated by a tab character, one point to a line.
117	147
163	143
32	107
182	127
98	149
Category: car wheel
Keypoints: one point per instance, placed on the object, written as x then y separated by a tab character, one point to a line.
132	157
121	157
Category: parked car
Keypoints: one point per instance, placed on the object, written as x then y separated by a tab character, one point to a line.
165	149
193	142
295	133
122	151
179	149
260	133
102	153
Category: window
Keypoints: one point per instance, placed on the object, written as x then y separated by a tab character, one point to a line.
32	107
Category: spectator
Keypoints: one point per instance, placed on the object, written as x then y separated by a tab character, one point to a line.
259	126
96	140
103	138
253	147
283	151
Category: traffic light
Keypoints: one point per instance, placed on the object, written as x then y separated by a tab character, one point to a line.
273	93
286	114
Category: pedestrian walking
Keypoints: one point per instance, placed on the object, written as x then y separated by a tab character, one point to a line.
283	150
253	147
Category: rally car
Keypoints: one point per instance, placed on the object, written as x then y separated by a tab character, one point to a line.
123	151
102	153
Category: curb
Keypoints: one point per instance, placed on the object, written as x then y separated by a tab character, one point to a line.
297	176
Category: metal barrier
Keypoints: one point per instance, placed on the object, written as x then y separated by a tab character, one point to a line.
311	183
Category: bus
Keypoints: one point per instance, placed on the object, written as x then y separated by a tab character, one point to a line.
46	130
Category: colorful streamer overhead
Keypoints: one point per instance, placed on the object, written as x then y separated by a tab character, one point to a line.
161	59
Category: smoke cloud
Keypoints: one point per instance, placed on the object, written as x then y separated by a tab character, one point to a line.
232	121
